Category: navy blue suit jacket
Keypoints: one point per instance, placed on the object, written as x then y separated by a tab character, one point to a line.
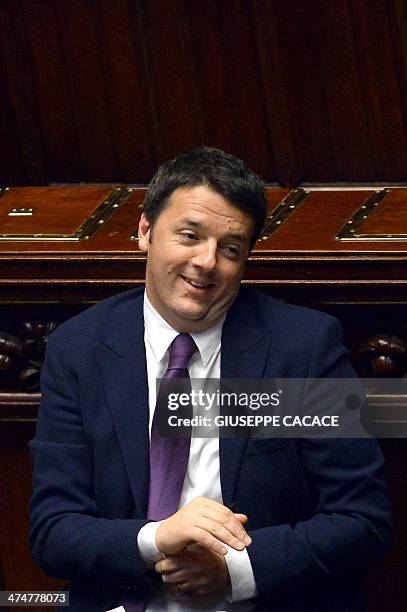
317	508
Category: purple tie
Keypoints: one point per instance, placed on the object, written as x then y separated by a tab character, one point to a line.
168	456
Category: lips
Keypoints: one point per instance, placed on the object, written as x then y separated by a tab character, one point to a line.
199	285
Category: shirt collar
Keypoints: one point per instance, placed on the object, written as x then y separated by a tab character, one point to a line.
160	334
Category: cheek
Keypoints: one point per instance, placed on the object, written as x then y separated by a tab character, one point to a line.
174	259
232	276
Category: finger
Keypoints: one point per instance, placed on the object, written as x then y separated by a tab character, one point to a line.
224	513
229	531
209	507
202	536
175	577
226	518
220	532
221	514
241	517
172	564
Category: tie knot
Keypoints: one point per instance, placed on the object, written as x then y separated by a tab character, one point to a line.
181	350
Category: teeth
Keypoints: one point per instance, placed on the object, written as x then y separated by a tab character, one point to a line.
195	284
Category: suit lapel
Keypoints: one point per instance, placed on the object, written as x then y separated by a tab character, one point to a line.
244	353
123	367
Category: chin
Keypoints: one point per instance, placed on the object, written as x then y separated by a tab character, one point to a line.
188	315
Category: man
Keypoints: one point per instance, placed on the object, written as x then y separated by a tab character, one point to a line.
266	524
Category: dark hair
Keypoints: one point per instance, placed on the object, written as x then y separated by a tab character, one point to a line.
215	169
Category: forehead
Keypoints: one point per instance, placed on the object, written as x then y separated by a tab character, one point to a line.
204	204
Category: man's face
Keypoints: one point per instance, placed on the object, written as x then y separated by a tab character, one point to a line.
196	253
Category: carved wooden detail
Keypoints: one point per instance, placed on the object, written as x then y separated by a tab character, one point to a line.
383	355
21	356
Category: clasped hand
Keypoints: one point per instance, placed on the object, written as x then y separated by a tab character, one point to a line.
193	541
202	521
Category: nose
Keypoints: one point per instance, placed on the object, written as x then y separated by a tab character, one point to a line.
205	256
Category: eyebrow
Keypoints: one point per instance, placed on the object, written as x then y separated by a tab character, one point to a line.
198	225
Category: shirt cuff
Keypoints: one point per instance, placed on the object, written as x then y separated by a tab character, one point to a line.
146	543
241	575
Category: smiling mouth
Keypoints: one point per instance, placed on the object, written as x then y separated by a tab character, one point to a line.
198	284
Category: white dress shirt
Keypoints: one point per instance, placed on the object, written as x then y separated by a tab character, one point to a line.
203	470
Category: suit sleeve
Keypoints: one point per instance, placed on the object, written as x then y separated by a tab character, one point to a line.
68	538
351	520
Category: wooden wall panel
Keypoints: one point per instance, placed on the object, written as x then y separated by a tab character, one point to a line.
52	92
169	74
19	89
103	91
377	49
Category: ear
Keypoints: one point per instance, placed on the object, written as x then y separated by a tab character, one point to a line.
143	233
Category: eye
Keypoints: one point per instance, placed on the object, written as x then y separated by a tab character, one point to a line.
232	251
188	236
